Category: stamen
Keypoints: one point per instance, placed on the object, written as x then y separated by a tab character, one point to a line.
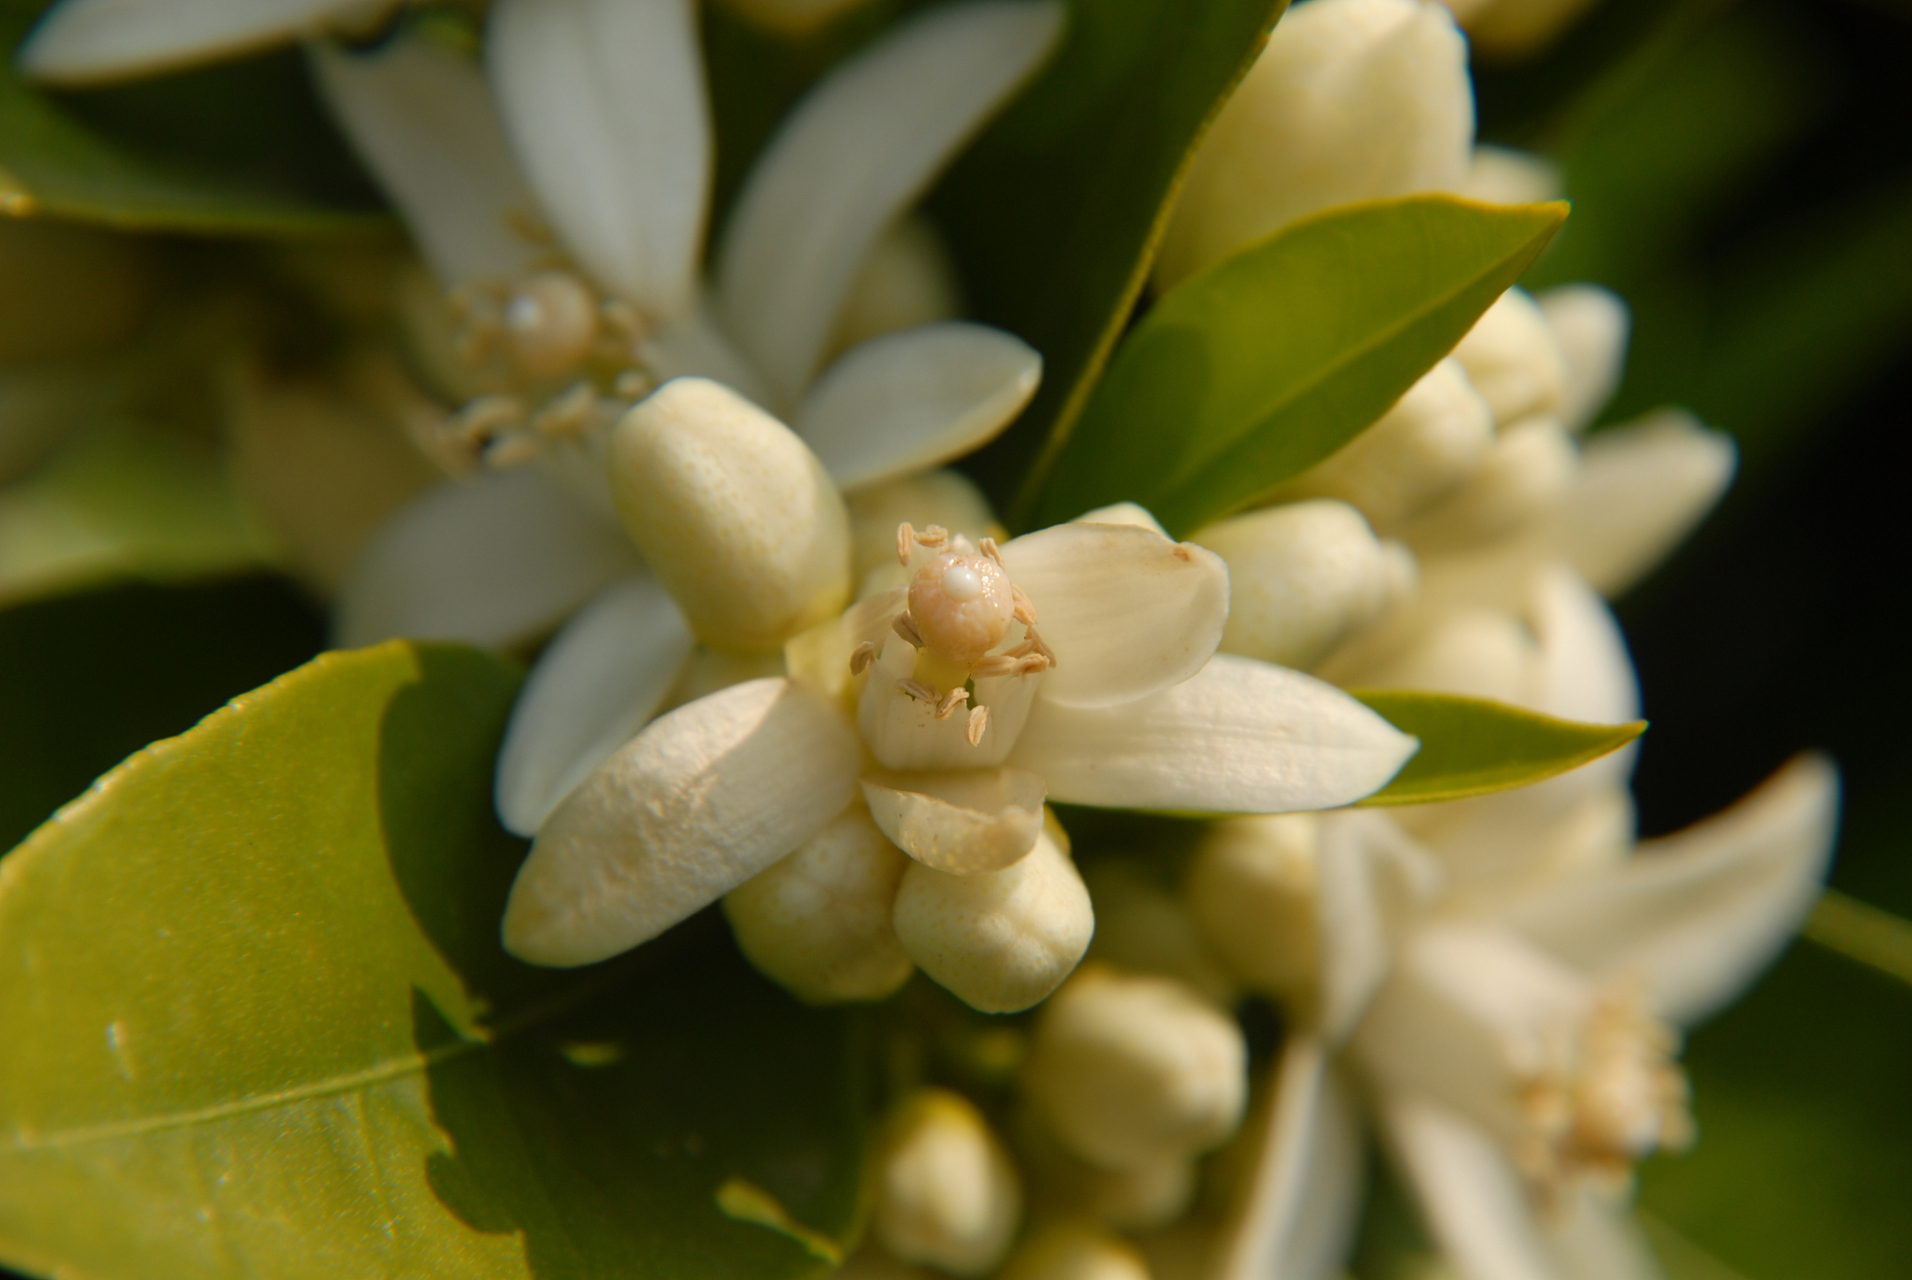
905	539
487	416
919	691
932	537
978	724
954	699
861	657
989	549
634	384
570	415
996	664
905	626
1025	610
512	450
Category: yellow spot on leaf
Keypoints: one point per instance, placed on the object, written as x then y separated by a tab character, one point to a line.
747	1202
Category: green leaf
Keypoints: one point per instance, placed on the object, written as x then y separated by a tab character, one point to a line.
269	1030
1054	214
1263	365
237	149
95	676
1474	746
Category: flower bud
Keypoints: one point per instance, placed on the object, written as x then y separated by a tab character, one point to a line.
1502	175
734	513
1350	100
1475	652
1590	324
818	922
1525	476
1131	1071
1147	1198
1253	889
1513	360
946	1195
1421	450
1302	579
1076	1251
947	498
906	281
1000	940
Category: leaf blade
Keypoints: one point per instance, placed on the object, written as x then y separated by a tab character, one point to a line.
1475	746
1249	373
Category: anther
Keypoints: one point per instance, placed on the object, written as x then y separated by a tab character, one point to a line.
905	540
1025	610
512	450
919	691
990	549
861	657
954	699
488	416
932	537
905	626
570	415
978	723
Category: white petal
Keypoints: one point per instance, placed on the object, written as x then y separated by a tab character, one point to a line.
903	732
1585	672
605	102
692	346
1701	912
1372	879
491	562
1514	361
907	279
1643	488
1123	513
960	821
91	40
1590	324
596	685
855	153
1126	610
1502	175
423	121
1240	737
699	802
1474	1202
913	400
1296	1212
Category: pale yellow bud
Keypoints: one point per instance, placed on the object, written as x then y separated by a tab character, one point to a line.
1591	326
1000	940
818	922
1142	924
1350	100
734	514
1130	1071
1302	579
1076	1251
1147	1198
1421	450
1524	477
946	1193
1513	359
906	281
1252	888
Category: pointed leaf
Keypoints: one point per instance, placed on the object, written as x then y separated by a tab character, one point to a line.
1260	367
1474	746
274	1034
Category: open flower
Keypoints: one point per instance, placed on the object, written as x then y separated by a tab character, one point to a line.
505	556
1076	663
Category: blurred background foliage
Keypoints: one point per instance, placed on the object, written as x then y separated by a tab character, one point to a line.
1742	174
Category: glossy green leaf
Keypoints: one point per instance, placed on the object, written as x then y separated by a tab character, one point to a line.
96	675
1474	746
1263	365
1054	214
260	1025
238	149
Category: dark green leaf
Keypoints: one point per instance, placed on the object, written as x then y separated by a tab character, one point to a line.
240	149
261	1026
1256	369
1055	212
93	677
1473	746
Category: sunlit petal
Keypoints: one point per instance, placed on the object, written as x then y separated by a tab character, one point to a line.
91	40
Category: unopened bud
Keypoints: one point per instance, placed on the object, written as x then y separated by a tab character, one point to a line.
1302	579
818	922
1502	175
1000	940
1130	1071
1076	1251
1421	450
947	1195
1143	924
1590	324
1061	1183
1526	475
1350	100
1474	652
1513	360
734	513
907	280
1253	889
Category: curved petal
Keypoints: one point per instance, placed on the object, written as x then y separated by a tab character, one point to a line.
1585	672
1127	611
92	40
1470	1195
1590	324
605	101
961	822
1643	487
1240	737
696	804
854	155
1373	878
491	562
692	346
1297	1211
422	120
913	400
1701	912
596	685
